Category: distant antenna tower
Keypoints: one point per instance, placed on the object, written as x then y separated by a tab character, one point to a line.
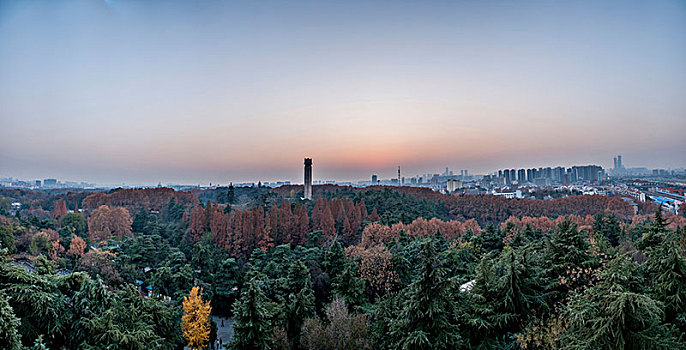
398	175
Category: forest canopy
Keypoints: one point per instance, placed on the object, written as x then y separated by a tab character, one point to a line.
353	269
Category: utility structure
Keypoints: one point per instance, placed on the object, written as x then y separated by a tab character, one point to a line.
308	179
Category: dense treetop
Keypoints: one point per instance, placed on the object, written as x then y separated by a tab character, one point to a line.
353	269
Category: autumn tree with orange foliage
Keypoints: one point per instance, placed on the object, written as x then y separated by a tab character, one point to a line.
195	322
136	199
77	247
376	267
59	211
107	222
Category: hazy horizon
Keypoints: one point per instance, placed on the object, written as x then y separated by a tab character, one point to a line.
198	92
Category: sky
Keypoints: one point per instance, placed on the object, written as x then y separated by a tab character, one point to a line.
216	91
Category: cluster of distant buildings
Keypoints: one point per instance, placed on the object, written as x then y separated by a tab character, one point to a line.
620	171
548	176
10	182
670	196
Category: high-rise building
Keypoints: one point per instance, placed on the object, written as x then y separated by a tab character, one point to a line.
521	176
619	162
375	179
308	178
50	183
590	173
558	173
452	185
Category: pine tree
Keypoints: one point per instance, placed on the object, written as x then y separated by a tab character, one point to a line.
300	298
615	314
349	286
252	329
490	239
505	294
334	260
608	226
195	323
666	267
427	319
8	326
566	250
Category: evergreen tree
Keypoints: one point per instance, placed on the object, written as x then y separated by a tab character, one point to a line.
252	329
614	314
9	323
506	293
349	286
666	267
490	239
427	320
334	261
300	298
565	250
226	282
654	234
608	226
88	303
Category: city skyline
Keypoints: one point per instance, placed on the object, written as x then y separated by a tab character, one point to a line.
177	91
384	177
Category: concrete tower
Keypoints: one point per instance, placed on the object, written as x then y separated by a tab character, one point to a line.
308	178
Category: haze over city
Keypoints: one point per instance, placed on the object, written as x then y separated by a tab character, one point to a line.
197	92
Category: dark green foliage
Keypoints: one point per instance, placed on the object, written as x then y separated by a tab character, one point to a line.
333	261
299	300
510	288
666	268
174	211
490	240
427	319
129	324
608	226
350	287
253	329
9	323
615	314
174	278
394	206
565	250
7	240
35	300
75	223
507	291
225	285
